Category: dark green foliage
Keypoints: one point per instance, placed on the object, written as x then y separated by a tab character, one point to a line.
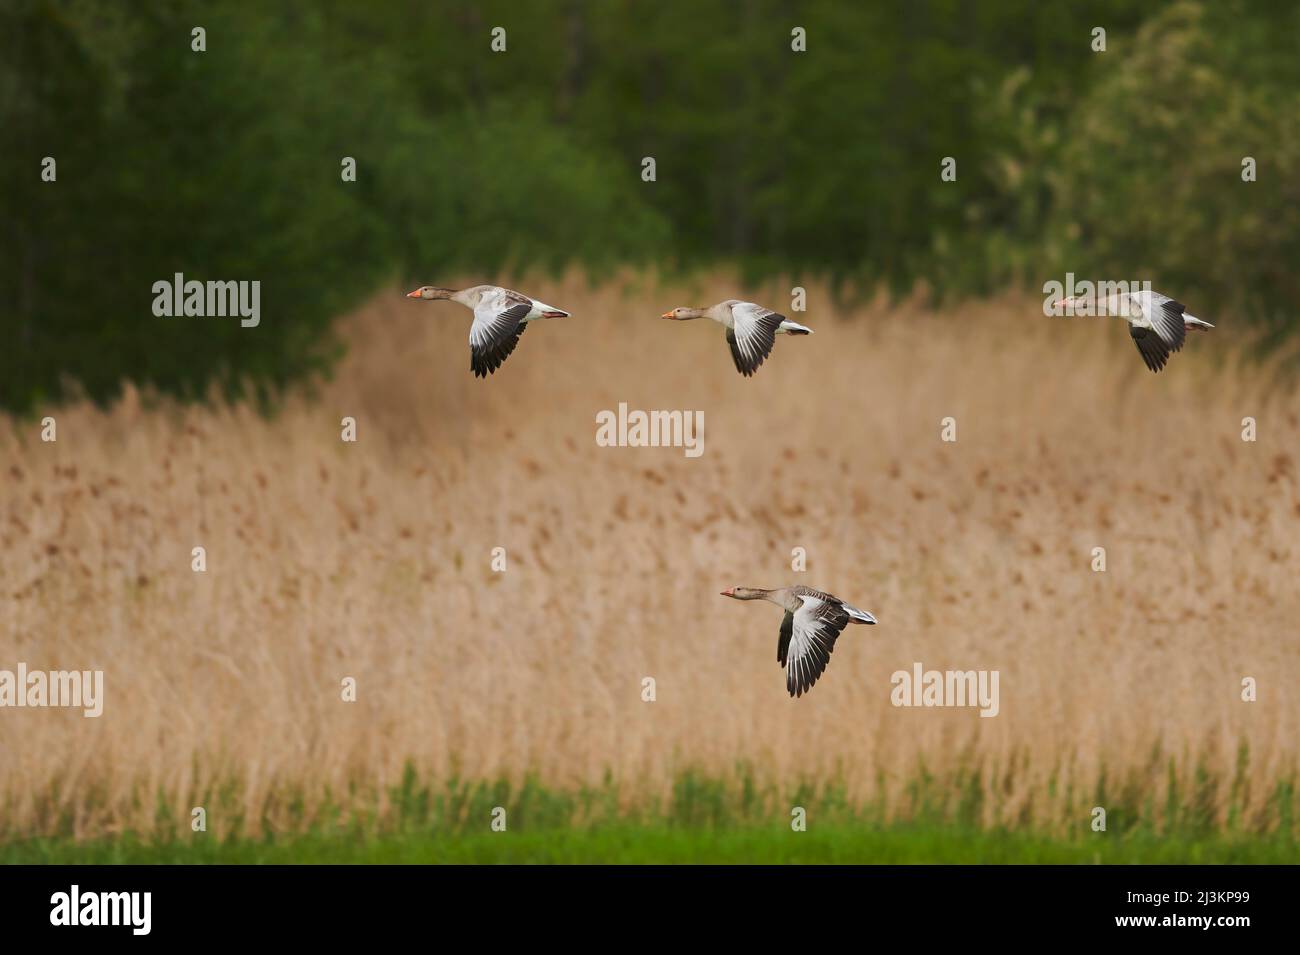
225	164
1138	174
207	164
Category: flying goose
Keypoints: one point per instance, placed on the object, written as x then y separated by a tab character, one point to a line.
812	622
751	329
500	316
1157	323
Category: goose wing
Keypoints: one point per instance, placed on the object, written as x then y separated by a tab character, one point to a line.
498	325
1167	329
807	639
752	335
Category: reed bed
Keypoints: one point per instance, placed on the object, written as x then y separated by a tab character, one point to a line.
373	560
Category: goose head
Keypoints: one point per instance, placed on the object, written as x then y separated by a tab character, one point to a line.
1072	305
431	292
744	593
683	314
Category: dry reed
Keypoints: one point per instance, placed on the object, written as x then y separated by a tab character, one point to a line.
372	560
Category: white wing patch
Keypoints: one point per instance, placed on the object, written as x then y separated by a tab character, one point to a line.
1165	317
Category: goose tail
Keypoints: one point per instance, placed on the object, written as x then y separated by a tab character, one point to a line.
1191	321
788	327
858	616
542	310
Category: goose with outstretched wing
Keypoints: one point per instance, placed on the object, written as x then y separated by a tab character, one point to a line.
812	623
1157	324
500	317
751	329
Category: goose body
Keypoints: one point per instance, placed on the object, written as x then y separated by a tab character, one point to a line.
813	621
1157	324
500	316
751	329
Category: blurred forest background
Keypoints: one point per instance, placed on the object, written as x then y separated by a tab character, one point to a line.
226	164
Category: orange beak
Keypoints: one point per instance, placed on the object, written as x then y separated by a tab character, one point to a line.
667	315
415	294
730	591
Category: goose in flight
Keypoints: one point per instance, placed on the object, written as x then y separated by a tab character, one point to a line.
812	622
1156	322
751	329
500	316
